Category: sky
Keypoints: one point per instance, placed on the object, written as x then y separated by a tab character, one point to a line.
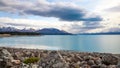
74	16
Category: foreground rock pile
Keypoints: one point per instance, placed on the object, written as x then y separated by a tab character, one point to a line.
14	57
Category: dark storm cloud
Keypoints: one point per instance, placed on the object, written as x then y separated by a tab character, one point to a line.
87	27
65	13
46	9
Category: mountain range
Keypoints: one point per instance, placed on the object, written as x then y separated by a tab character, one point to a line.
52	31
44	31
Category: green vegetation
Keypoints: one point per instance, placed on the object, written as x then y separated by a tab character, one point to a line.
31	60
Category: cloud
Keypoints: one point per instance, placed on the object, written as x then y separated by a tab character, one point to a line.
80	27
6	21
115	29
114	9
22	23
63	10
16	25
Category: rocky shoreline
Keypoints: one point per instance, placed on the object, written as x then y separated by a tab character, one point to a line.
14	58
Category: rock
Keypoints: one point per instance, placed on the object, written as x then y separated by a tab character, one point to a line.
43	64
68	59
53	60
58	65
95	66
86	58
83	62
24	65
98	61
109	59
40	66
102	66
2	64
34	66
1	59
6	55
72	55
90	62
5	59
5	52
9	64
75	65
99	66
78	57
78	62
86	66
15	61
112	66
118	65
44	55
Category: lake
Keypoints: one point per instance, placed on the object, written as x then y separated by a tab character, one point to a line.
82	43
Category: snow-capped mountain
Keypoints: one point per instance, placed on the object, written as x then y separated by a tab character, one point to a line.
44	31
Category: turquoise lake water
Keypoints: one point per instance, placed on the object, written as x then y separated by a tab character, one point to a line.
82	43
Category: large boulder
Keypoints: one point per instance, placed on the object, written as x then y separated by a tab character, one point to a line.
109	60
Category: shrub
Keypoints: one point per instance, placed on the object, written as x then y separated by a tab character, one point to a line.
31	60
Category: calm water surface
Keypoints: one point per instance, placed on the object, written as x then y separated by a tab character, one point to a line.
86	43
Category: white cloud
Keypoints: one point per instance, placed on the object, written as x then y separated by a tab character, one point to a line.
111	19
37	24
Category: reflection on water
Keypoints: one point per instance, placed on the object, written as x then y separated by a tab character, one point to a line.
110	43
88	43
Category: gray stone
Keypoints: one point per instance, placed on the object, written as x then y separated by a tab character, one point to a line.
34	66
2	64
83	62
112	66
95	66
88	57
53	60
40	66
118	65
90	62
102	66
109	59
78	62
98	61
5	52
1	59
58	65
43	64
85	66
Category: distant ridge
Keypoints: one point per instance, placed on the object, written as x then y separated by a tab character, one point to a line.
44	31
53	31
